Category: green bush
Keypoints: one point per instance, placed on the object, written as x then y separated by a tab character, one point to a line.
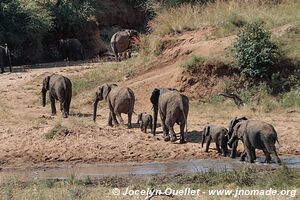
192	63
23	25
254	51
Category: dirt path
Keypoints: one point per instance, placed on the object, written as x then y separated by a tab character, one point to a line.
26	127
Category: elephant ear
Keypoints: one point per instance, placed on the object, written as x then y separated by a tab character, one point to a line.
236	129
46	83
154	97
231	125
106	89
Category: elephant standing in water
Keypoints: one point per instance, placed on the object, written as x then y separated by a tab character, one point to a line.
122	41
5	57
71	49
255	135
173	107
119	99
60	88
229	134
218	134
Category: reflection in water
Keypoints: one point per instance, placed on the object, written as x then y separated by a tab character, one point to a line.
173	167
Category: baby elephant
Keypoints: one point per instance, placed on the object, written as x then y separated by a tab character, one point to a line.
60	88
218	135
146	121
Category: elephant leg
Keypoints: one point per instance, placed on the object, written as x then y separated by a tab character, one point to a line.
110	119
248	149
129	119
120	118
276	157
233	150
243	156
207	144
182	138
142	125
64	105
267	155
52	101
145	127
172	133
114	118
218	147
253	153
224	147
165	128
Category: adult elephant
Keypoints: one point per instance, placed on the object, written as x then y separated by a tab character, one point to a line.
119	100
255	135
173	107
122	41
71	49
5	57
234	145
60	88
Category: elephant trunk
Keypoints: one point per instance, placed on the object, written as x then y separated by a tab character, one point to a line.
44	97
95	108
232	140
155	112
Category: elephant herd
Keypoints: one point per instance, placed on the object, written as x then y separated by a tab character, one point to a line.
173	107
72	49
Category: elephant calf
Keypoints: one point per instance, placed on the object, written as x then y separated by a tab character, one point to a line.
71	49
255	135
60	88
218	134
146	121
119	99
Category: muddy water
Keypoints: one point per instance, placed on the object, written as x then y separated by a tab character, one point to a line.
163	168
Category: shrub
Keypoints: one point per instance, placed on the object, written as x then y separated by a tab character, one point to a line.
192	63
254	51
23	25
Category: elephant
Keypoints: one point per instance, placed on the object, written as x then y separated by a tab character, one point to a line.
234	145
119	99
255	134
218	134
5	57
173	108
146	121
60	88
71	49
122	41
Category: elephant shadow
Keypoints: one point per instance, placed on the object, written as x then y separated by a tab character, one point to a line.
136	125
194	136
82	115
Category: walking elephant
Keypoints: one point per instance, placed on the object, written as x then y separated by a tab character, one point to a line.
146	121
60	88
255	135
5	58
234	145
71	49
218	134
173	107
122	41
119	100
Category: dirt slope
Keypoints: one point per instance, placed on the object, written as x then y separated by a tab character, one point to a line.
78	139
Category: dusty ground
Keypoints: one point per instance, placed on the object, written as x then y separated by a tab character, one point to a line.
25	123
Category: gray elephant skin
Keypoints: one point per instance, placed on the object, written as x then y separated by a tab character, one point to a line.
234	145
217	134
60	89
119	100
5	57
71	49
173	107
255	135
145	120
122	41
